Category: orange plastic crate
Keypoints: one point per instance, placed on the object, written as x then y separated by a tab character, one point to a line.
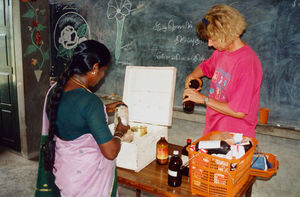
270	172
215	176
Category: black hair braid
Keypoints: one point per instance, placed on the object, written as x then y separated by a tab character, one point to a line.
49	150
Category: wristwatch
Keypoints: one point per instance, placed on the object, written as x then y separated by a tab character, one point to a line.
206	100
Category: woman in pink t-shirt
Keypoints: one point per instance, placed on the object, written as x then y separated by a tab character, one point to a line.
235	72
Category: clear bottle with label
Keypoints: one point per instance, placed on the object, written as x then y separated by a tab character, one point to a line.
122	112
174	172
185	157
188	106
162	151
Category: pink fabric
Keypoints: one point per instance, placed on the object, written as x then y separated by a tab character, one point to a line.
106	116
45	125
236	79
81	169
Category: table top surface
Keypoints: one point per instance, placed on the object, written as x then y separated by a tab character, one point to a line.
154	179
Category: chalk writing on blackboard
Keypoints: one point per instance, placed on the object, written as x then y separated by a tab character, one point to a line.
171	26
178	57
295	3
182	35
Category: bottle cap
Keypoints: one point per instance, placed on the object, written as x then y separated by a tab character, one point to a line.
121	104
194	84
189	140
175	152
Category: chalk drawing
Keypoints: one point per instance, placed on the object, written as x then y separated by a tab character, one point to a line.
70	30
118	10
68	37
33	14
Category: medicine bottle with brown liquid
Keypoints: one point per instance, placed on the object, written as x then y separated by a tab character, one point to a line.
162	151
185	158
188	106
174	172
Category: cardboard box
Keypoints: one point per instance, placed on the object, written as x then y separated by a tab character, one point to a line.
149	95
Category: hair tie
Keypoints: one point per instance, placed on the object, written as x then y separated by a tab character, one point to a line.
206	22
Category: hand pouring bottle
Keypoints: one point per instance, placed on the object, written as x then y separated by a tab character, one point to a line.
188	106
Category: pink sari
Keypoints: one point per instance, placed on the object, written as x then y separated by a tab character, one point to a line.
80	167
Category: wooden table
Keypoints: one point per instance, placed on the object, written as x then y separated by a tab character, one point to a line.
154	179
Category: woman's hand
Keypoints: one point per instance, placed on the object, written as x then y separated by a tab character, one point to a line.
111	107
121	128
221	107
111	148
190	94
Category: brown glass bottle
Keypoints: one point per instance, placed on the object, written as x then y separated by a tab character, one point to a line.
162	151
174	172
185	158
188	106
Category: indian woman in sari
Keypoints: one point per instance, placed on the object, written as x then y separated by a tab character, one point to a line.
79	148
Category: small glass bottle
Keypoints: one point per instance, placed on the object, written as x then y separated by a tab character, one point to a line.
174	172
188	106
185	157
122	112
162	151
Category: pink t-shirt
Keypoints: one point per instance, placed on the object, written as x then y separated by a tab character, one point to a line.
235	79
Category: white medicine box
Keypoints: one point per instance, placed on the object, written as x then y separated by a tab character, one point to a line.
149	94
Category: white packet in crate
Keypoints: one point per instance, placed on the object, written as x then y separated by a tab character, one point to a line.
237	151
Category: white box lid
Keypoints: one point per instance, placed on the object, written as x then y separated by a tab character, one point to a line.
149	94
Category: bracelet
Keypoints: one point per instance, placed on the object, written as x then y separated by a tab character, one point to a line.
118	137
206	99
119	132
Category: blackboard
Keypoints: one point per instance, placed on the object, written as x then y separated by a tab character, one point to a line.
162	33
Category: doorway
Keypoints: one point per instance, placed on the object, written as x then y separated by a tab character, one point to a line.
9	118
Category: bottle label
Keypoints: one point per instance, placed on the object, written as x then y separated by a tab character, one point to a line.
172	173
162	153
122	112
209	144
184	159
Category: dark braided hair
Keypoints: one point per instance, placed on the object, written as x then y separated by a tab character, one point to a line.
84	57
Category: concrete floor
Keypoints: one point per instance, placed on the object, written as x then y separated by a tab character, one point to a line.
18	175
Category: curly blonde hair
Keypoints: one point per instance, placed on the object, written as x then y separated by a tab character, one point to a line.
223	24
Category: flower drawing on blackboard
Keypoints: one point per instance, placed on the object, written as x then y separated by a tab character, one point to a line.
118	10
37	43
70	30
68	37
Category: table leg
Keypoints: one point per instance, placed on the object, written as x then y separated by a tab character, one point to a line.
138	193
249	191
